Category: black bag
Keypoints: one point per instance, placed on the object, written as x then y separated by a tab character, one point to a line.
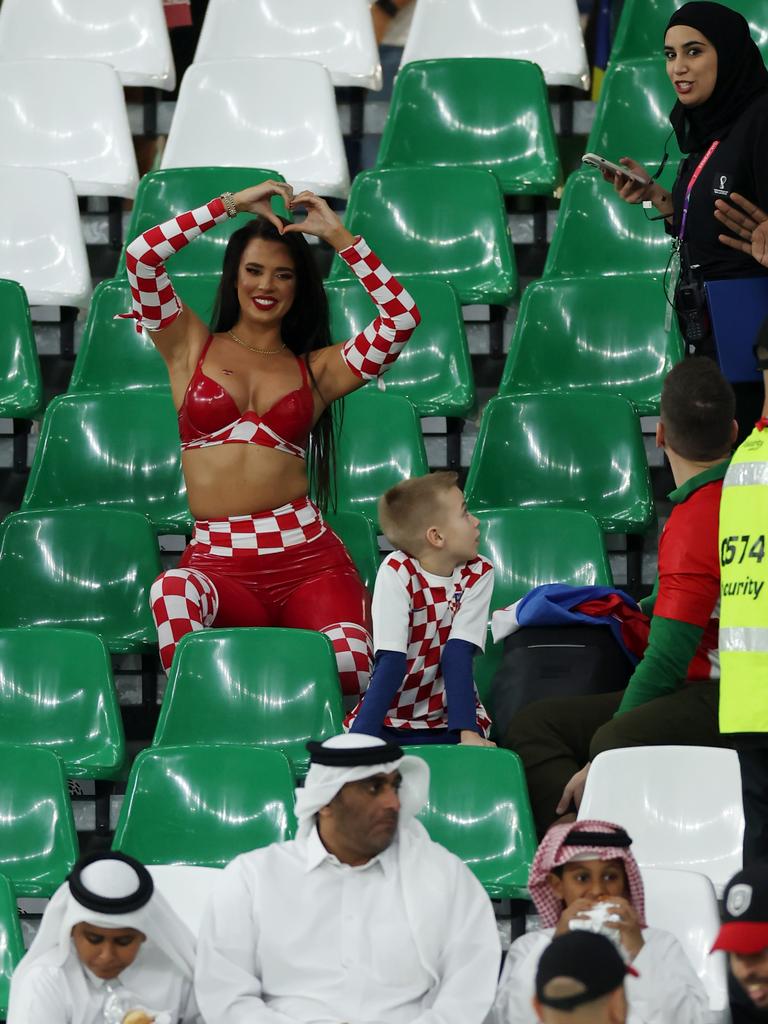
556	661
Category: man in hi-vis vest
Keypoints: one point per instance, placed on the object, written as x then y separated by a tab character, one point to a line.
744	618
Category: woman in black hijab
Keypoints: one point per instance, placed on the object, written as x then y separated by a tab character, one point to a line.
720	121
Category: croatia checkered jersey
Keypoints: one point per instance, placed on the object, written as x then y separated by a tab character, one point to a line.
416	612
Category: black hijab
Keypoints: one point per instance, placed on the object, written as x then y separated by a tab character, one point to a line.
741	74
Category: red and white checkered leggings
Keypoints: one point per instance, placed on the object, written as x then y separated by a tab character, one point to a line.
279	568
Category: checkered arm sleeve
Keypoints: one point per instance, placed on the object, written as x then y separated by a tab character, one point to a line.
375	348
155	303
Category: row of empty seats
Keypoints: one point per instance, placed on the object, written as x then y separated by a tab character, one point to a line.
339	36
120	450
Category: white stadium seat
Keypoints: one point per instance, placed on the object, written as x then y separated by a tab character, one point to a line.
547	32
684	903
261	113
70	116
681	805
339	35
187	888
41	244
132	37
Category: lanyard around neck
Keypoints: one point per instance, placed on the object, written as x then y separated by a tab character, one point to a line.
691	183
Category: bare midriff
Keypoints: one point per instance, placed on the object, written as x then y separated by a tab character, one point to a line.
241	479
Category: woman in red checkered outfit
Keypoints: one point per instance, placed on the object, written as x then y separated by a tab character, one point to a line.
254	395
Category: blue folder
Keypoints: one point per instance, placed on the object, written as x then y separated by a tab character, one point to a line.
737	308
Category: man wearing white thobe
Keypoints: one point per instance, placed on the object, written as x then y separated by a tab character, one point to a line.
361	919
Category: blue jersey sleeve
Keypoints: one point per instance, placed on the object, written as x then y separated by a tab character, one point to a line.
460	696
386	679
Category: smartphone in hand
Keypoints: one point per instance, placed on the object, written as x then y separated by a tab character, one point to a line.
593	160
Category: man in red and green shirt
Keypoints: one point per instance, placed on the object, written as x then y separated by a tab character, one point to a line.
672	696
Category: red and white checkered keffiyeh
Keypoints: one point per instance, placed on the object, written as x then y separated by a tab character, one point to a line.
553	853
374	349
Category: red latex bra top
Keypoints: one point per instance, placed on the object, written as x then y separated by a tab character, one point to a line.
209	416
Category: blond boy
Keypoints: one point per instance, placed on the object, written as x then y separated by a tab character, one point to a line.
430	612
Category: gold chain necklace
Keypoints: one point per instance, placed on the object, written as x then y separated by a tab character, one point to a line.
260	351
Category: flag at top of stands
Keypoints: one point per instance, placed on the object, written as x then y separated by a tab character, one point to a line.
601	44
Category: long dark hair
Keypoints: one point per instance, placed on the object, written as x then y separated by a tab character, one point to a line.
305	327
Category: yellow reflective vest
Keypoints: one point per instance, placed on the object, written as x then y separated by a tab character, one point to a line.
744	589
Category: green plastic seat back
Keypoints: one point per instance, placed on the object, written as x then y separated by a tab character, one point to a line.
166	193
358	536
57	691
116	450
581	450
21	383
596	334
477	112
112	354
80	569
380	443
640	32
443	222
479	810
38	843
531	547
632	117
11	941
434	369
272	687
205	804
599	234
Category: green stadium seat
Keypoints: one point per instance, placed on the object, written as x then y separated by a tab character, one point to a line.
599	234
632	117
57	691
11	941
531	547
605	333
80	569
444	222
478	112
38	843
21	382
271	687
113	450
358	535
380	443
434	370
581	450
479	810
166	193
205	805
21	386
112	355
640	32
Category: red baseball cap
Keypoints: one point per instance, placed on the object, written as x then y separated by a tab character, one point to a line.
745	913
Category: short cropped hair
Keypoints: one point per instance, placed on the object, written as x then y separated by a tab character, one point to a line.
697	410
407	510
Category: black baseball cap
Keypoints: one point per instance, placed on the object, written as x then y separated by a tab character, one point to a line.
745	912
589	960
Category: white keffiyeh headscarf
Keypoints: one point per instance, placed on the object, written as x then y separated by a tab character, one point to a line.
111	890
415	849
